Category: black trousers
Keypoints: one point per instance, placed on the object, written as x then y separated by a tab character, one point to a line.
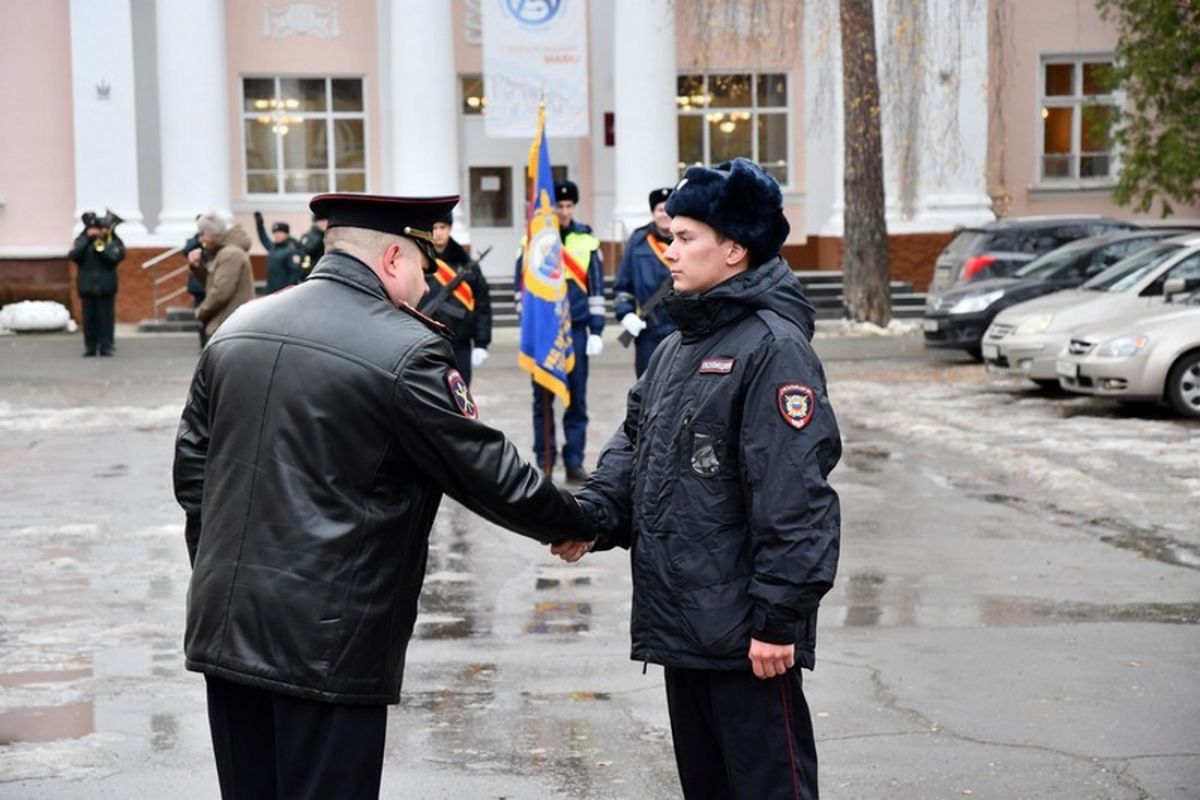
272	746
739	737
99	319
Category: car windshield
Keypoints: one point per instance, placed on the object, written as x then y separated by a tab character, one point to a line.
1126	273
1049	265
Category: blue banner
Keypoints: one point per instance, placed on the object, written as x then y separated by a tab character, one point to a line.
547	352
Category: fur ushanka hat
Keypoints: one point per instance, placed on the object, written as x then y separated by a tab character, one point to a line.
739	200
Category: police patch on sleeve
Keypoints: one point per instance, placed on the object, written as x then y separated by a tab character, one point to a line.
462	395
796	403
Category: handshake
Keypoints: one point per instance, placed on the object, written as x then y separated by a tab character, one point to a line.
572	551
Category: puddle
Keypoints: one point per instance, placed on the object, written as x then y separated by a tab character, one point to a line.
865	457
14	679
559	617
1001	499
47	724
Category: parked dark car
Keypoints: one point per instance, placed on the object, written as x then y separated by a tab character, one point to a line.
1000	248
958	318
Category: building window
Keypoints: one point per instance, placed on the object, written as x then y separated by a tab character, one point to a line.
304	135
722	116
1078	110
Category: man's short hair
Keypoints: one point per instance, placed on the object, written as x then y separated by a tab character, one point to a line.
368	242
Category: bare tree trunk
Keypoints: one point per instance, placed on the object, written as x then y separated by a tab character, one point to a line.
864	242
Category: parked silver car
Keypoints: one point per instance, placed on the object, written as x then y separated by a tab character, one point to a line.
1027	338
1151	357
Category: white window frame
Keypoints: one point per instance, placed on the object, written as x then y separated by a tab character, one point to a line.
753	109
330	116
1076	101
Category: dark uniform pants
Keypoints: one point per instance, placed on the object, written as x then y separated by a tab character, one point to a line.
739	737
575	418
270	745
99	318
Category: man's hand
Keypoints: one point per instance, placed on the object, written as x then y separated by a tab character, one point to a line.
595	345
193	256
633	324
572	551
770	660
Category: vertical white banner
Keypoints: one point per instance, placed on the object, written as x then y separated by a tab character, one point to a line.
531	49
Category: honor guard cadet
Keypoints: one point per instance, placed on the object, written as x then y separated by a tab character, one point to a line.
460	299
584	268
717	482
643	282
322	427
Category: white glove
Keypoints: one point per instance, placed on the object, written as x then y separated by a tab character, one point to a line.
478	356
595	345
633	323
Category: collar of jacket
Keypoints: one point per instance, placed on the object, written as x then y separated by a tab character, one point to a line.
340	266
698	315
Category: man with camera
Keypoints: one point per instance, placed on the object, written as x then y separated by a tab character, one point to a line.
98	250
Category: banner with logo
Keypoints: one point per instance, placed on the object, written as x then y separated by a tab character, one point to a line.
547	352
535	50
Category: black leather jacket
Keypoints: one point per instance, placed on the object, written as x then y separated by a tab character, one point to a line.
717	481
320	431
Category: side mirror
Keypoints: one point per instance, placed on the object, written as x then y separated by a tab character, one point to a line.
1172	287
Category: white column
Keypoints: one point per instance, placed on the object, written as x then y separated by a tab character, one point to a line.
106	165
422	128
824	152
193	103
644	86
953	185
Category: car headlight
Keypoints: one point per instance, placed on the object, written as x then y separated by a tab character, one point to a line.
976	302
1123	347
1034	323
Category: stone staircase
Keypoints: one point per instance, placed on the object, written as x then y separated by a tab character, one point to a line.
824	291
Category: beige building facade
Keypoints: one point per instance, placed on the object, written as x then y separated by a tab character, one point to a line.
159	109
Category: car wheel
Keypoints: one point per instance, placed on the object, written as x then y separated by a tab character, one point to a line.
975	353
1183	385
1048	386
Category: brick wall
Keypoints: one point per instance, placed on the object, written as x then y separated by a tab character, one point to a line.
912	255
54	279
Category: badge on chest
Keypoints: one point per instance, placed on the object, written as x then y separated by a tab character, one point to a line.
716	366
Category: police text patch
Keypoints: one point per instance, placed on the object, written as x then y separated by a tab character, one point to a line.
462	395
796	403
716	366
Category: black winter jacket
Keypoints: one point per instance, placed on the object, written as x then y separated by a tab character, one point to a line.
97	268
467	327
321	429
717	480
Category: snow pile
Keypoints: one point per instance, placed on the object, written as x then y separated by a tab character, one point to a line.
35	315
846	327
88	418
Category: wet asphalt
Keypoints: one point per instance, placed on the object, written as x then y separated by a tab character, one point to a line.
1015	614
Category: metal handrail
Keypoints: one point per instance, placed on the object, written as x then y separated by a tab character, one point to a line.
159	280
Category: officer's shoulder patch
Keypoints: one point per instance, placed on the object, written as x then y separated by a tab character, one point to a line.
796	403
461	394
716	366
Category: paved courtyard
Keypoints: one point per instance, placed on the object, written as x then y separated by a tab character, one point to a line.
1016	613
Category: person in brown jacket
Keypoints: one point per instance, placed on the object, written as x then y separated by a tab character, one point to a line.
230	278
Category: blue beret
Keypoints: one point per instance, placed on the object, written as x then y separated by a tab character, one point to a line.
740	201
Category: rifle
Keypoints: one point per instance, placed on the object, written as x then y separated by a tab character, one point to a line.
625	338
435	302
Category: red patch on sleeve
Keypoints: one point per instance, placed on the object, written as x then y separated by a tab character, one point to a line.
461	394
796	403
